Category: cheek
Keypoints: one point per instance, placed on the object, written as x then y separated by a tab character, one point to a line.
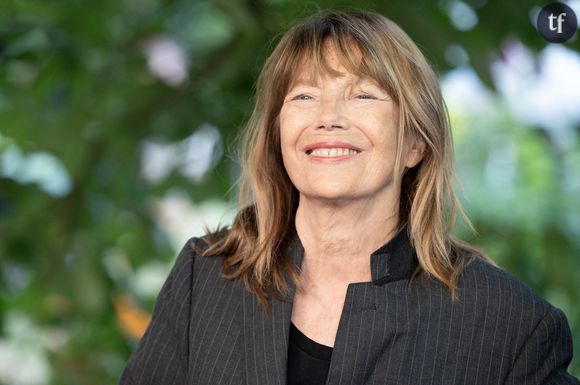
388	135
286	140
287	145
283	129
291	124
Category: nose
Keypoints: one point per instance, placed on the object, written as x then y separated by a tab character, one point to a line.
332	114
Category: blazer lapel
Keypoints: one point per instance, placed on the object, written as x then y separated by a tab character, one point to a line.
266	341
266	334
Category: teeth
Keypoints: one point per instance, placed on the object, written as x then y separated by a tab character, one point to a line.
330	152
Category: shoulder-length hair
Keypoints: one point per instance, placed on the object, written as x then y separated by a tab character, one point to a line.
369	45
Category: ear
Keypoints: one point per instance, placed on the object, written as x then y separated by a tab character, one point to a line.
415	152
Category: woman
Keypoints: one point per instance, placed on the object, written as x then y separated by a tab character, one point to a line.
340	267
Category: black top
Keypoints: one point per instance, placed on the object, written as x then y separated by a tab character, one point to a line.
308	361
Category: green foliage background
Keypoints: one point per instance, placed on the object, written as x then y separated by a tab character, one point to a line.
74	83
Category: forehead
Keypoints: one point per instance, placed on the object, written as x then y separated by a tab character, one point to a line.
330	62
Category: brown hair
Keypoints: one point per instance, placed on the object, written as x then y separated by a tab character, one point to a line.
256	243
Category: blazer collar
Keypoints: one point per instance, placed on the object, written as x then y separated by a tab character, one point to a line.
394	261
265	335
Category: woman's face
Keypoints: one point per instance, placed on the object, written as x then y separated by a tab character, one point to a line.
339	137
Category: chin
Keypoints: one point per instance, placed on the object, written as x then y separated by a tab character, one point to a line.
337	195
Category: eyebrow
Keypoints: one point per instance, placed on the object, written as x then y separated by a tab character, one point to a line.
359	81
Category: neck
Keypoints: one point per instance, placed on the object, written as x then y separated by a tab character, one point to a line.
345	232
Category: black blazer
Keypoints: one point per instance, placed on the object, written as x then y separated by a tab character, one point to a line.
209	331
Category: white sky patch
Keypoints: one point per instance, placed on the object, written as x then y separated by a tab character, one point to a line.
200	152
158	160
181	219
193	156
545	93
462	16
41	168
167	60
148	279
23	356
465	94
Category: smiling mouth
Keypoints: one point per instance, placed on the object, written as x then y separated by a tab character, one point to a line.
332	152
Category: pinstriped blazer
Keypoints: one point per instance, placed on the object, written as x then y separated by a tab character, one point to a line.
206	330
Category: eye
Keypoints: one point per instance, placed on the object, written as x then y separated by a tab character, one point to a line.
365	97
302	97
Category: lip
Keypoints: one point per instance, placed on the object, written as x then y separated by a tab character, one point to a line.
330	144
331	159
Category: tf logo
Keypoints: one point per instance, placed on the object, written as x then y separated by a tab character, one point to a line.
557	22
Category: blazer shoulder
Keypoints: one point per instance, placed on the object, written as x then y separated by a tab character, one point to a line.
506	292
208	279
539	332
190	309
196	246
